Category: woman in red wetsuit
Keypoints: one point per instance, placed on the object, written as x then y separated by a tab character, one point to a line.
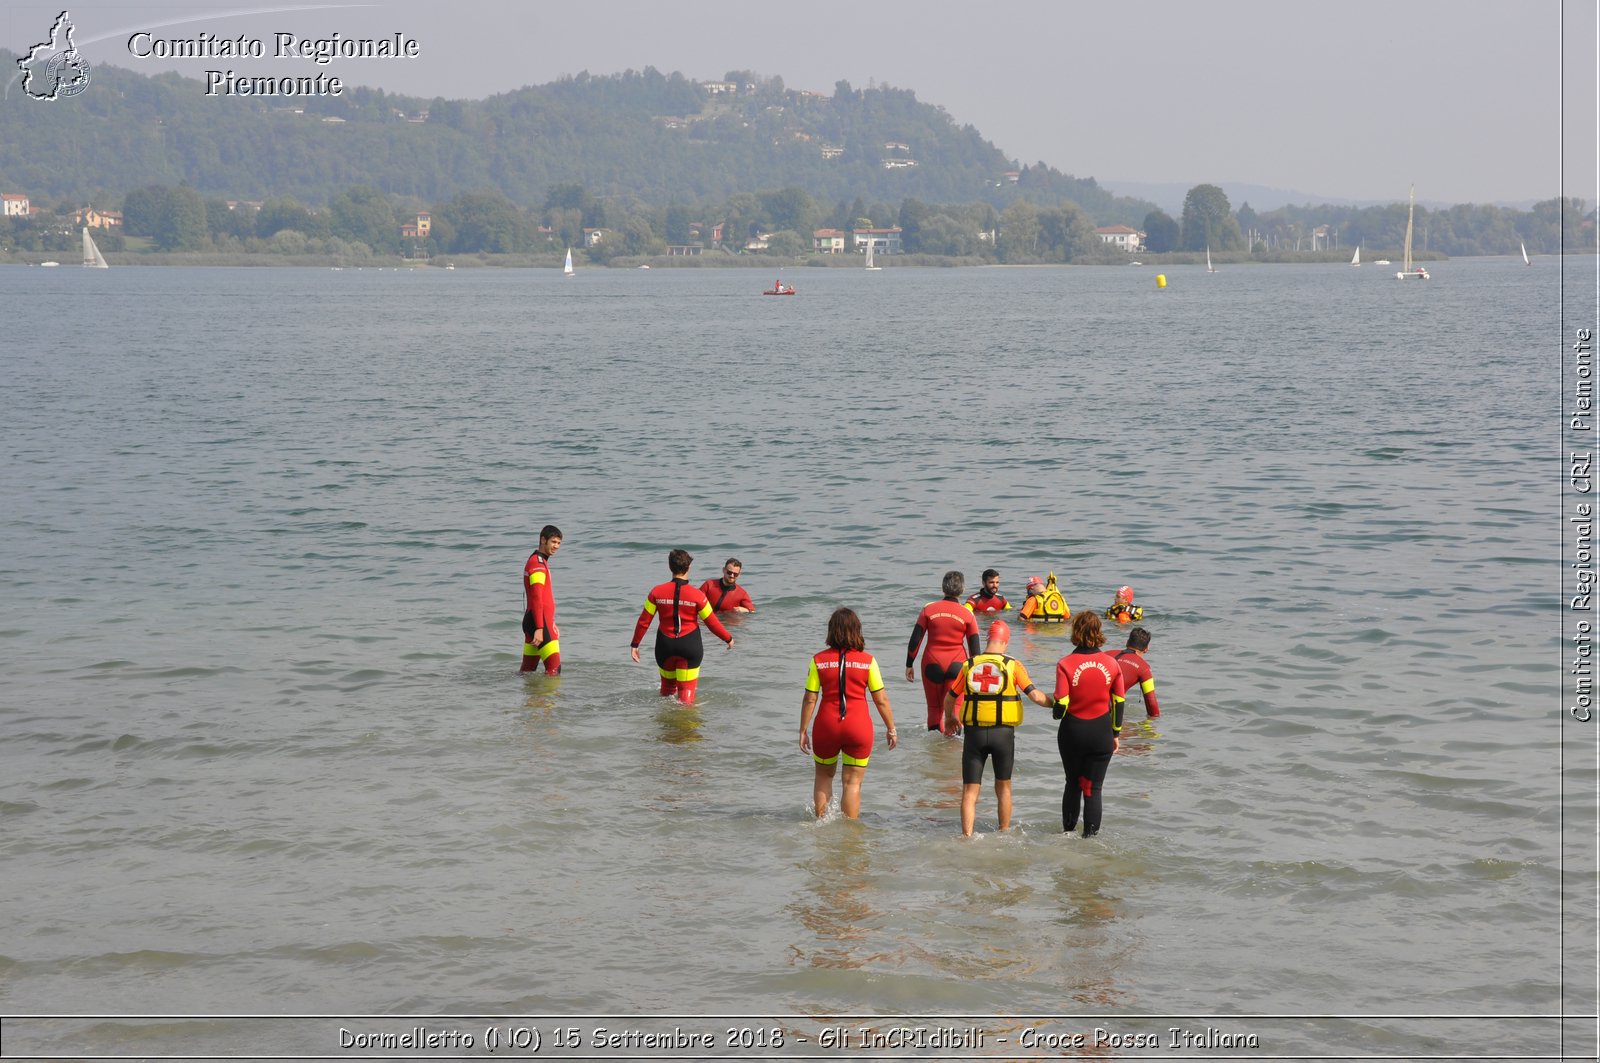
842	677
952	634
680	608
1089	697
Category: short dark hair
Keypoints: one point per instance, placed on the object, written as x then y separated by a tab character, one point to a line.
734	561
954	583
1086	630
990	573
1139	639
679	561
844	630
550	531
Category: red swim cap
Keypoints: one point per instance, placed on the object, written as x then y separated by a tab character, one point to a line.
999	630
1034	581
1125	593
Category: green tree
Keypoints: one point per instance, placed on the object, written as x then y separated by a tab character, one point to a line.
1208	221
182	222
1019	232
1160	232
363	214
286	212
487	221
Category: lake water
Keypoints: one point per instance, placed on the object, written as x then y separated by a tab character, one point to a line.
267	752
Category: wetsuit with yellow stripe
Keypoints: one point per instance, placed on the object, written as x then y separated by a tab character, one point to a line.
845	681
679	608
540	613
993	686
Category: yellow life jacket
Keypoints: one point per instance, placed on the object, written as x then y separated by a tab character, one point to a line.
1050	605
1124	613
991	692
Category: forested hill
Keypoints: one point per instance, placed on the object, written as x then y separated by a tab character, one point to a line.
658	138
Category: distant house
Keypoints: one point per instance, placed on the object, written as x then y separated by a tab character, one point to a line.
882	241
594	237
895	145
721	88
1121	237
1012	176
898	164
758	242
418	229
1320	238
681	250
97	219
828	241
831	151
13	205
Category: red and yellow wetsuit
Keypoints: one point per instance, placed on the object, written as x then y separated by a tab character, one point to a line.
984	603
842	728
679	649
724	600
1090	688
952	633
540	613
1136	673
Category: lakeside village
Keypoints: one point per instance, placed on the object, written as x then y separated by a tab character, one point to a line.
364	226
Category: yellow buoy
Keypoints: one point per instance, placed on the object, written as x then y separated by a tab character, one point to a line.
1161	280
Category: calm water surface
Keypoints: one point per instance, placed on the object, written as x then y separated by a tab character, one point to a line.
266	750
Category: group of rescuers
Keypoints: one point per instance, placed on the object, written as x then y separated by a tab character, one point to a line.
969	692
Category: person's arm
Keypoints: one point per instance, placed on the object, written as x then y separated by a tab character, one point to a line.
880	698
808	707
918	630
710	617
1119	698
1147	687
539	606
642	626
973	645
744	603
952	723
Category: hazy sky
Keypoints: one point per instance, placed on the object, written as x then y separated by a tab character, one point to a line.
1355	99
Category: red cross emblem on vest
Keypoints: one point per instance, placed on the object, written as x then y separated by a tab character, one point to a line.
986	678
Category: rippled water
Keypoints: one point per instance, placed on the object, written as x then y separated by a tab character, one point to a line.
266	750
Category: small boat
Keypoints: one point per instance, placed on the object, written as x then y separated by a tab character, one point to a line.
1407	271
49	263
779	288
92	258
1525	260
567	269
1381	262
869	258
1209	267
644	265
1355	259
1135	262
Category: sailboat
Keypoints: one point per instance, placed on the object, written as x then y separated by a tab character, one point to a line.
567	269
869	258
1209	267
1355	259
1525	261
1406	269
92	258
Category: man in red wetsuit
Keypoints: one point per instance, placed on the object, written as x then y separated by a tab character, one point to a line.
725	594
541	640
988	599
679	609
1136	670
952	633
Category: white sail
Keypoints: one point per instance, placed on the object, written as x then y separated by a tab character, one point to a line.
1525	261
567	269
1209	267
92	258
1355	259
1406	270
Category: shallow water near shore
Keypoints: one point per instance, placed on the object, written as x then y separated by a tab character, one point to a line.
267	751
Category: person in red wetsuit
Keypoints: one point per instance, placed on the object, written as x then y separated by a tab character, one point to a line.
679	609
952	634
541	640
1088	701
725	594
1136	670
988	599
841	678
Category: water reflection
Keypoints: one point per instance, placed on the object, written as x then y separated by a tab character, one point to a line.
836	908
